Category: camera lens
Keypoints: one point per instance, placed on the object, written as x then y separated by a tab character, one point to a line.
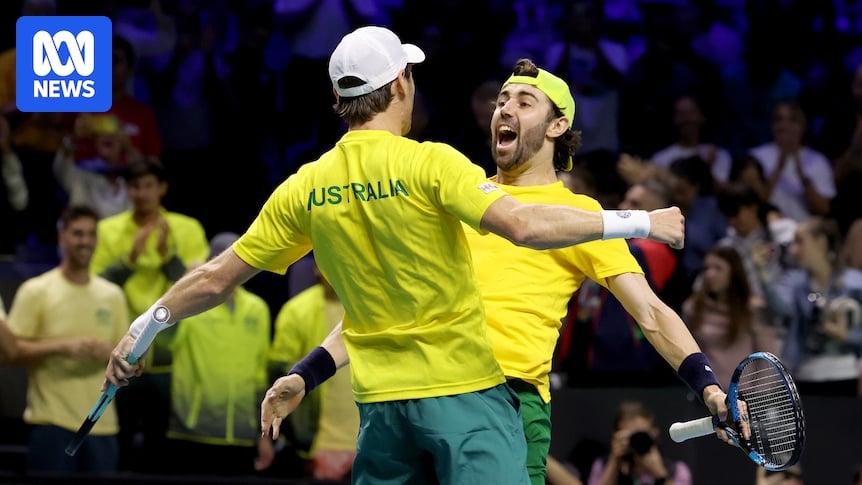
640	442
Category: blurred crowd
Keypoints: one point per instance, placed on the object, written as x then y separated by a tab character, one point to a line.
745	114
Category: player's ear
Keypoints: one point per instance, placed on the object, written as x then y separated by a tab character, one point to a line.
558	127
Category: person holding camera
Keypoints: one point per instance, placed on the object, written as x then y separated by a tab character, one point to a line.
635	457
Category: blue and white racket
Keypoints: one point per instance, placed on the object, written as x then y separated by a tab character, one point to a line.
775	415
142	343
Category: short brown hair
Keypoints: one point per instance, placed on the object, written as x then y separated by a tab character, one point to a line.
361	109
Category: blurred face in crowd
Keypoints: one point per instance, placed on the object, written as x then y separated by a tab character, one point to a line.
745	221
716	274
808	249
78	241
684	192
519	125
688	118
146	193
788	126
639	198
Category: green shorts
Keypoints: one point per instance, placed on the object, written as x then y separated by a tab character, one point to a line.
471	438
536	415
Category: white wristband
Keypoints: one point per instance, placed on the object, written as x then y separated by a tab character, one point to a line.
625	224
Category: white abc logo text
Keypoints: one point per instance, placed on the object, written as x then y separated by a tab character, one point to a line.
81	53
46	59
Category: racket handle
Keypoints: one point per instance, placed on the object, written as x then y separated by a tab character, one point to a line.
682	431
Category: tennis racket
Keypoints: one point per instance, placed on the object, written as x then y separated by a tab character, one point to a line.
775	415
142	343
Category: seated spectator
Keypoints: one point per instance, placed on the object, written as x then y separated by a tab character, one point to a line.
688	119
823	341
799	180
722	316
852	250
635	456
96	181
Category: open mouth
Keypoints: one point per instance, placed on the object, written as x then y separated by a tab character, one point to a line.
506	136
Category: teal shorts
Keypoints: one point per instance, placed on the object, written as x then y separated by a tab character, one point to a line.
536	415
472	438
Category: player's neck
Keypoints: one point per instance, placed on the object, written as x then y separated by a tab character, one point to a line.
527	174
389	120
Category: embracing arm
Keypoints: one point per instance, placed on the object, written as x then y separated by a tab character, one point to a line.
664	329
203	288
542	226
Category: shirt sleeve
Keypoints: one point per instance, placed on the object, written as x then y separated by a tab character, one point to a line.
275	239
24	313
462	188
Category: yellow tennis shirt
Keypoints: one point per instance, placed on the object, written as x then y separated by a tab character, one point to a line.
384	214
526	292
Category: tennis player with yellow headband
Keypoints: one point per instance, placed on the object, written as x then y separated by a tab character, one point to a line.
526	298
383	214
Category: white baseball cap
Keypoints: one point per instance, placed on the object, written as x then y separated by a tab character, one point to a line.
374	55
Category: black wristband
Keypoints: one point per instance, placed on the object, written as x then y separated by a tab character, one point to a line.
315	368
697	373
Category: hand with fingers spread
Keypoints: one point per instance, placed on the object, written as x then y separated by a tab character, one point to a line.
668	226
280	400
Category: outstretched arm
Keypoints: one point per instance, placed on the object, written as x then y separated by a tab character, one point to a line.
666	331
314	369
203	288
542	226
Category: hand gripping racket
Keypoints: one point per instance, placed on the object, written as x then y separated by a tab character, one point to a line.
774	413
142	343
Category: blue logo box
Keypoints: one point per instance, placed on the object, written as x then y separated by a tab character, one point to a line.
63	64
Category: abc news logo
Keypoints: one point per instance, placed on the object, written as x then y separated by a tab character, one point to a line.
81	60
63	64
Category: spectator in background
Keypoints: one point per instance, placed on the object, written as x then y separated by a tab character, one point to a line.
635	456
601	343
145	250
219	376
689	121
799	180
327	422
823	339
790	476
722	316
137	119
749	230
98	180
35	138
14	196
845	151
66	321
693	191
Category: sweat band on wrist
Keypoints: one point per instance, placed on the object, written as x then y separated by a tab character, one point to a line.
146	326
625	224
315	368
697	373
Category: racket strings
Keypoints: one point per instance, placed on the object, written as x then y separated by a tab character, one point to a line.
772	415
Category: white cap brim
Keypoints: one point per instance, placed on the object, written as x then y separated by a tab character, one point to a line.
414	54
